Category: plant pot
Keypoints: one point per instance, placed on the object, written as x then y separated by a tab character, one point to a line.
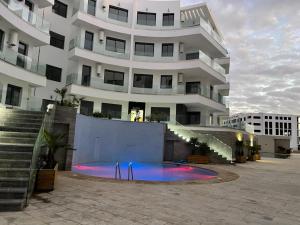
198	159
241	159
45	179
257	157
252	158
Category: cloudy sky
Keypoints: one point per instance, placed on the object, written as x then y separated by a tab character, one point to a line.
263	38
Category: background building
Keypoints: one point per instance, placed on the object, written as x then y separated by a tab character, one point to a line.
277	126
154	58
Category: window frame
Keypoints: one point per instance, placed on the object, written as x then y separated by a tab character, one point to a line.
86	41
146	20
167	86
57	77
91	9
167	23
169	46
57	40
115	46
114	81
60	8
144	46
118	9
143	76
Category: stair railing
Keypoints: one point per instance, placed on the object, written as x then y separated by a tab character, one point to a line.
214	143
47	124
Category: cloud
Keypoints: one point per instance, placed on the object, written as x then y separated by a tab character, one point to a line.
263	38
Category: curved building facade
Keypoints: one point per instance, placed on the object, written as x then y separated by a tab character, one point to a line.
127	58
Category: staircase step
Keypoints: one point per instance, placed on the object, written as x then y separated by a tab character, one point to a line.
12	193
20	140
19	111
14	172
24	125
33	117
19	129
7	205
16	182
17	134
15	155
16	147
11	163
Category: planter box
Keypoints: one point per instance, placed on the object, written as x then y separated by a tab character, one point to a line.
252	158
257	157
199	159
241	159
45	180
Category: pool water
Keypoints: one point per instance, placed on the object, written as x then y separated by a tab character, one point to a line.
146	171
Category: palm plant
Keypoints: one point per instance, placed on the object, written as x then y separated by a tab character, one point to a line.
62	93
54	142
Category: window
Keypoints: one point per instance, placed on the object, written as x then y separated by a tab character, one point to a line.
144	49
161	113
117	13
21	58
53	73
167	50
114	77
89	40
193	88
266	117
1	39
60	8
143	80
211	92
256	117
249	117
115	45
257	131
112	110
166	81
86	108
256	124
168	19
86	75
57	40
13	95
148	19
91	7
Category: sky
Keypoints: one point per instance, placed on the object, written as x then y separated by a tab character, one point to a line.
263	39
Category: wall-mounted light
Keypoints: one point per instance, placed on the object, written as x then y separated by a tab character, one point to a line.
99	70
239	136
101	36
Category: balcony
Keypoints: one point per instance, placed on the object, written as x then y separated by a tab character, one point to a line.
22	68
32	24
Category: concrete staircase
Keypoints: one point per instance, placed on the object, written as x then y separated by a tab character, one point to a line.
18	133
215	154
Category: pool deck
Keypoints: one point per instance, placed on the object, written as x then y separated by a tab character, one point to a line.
266	192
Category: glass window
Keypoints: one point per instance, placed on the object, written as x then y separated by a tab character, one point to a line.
115	45
144	49
86	75
256	124
13	95
92	7
256	117
168	19
143	80
86	108
191	56
193	88
167	50
112	110
89	40
211	92
161	113
166	81
113	77
57	40
148	19
60	8
117	13
53	73
21	58
2	34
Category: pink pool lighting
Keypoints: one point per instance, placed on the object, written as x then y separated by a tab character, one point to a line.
147	171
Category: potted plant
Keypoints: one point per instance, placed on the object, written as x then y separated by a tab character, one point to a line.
257	152
251	153
239	152
47	164
199	152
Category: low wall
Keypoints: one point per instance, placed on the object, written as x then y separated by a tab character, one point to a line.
102	140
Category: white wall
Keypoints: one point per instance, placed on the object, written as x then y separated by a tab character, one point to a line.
111	141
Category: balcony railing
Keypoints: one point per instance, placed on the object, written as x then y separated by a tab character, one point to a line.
25	14
95	82
23	62
77	42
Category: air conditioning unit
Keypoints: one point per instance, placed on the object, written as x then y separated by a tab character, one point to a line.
13	39
104	4
101	35
181	47
99	69
180	78
182	17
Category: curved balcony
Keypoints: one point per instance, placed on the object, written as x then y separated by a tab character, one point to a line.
95	88
198	64
203	31
26	21
23	68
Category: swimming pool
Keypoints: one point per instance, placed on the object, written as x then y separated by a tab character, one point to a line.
146	171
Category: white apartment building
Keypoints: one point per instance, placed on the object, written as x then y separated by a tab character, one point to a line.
122	57
277	125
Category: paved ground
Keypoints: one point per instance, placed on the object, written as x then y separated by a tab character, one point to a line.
267	192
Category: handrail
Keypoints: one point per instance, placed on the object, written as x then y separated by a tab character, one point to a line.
130	172
118	171
47	124
214	143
